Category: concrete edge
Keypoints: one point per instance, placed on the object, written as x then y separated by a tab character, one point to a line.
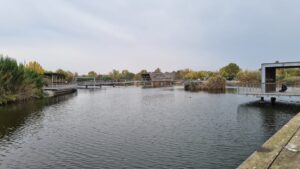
268	152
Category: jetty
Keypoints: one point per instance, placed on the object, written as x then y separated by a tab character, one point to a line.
282	150
57	85
87	84
59	90
270	86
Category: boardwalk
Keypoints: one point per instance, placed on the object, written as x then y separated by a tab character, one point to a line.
87	84
62	89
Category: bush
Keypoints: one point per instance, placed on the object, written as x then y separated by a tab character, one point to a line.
291	80
249	77
18	83
215	83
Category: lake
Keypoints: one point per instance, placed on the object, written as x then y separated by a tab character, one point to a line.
130	127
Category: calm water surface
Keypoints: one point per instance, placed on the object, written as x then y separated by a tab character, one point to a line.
137	128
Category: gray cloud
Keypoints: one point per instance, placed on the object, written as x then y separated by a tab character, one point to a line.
135	34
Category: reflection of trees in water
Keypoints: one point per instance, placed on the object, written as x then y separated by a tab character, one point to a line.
13	117
253	116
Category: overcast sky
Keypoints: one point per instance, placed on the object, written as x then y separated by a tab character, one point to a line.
84	35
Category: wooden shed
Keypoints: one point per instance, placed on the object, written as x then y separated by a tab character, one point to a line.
157	79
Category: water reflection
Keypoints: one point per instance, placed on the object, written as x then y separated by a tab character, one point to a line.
254	116
136	128
13	117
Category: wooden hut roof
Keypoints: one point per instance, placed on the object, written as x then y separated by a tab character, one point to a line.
157	76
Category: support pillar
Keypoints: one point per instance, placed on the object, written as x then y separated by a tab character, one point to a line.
262	100
273	100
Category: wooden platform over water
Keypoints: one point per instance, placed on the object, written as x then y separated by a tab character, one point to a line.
276	94
282	150
58	90
256	90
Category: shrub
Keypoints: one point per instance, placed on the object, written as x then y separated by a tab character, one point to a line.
215	83
18	83
249	77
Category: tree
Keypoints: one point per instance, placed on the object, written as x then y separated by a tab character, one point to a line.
115	75
92	74
126	75
105	77
36	67
191	75
138	76
230	71
157	70
68	75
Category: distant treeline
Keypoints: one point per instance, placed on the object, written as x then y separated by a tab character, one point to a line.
229	72
24	81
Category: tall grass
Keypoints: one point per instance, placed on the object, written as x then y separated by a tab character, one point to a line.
18	83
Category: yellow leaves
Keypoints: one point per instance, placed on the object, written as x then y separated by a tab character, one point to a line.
36	67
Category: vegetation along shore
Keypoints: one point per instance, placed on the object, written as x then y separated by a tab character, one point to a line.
20	82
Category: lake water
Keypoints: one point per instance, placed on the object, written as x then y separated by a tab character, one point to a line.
137	128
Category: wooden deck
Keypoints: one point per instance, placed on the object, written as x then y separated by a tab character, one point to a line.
57	90
282	150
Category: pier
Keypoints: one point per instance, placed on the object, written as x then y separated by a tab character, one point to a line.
282	150
88	84
57	85
58	90
270	86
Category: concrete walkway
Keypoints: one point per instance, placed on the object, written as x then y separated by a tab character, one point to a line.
282	150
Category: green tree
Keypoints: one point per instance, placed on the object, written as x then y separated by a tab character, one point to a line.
106	78
115	75
157	70
126	75
230	71
92	74
68	75
138	76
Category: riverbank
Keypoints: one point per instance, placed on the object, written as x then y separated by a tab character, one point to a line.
280	151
